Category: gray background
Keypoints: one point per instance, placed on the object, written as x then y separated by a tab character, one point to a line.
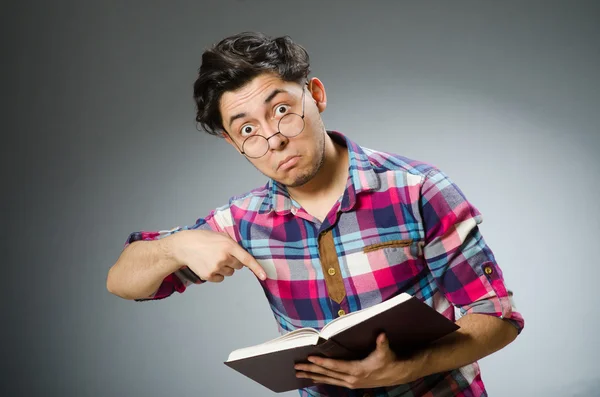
99	141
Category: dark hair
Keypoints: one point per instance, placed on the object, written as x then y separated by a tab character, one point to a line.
234	61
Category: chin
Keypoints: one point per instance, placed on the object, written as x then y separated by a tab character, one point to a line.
299	181
299	178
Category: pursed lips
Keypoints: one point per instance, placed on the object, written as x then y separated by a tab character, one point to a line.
286	160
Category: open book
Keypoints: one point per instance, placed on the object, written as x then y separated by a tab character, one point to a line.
409	325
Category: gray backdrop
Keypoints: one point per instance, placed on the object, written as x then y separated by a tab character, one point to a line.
99	141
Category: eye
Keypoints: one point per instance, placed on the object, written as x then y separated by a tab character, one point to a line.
247	130
281	110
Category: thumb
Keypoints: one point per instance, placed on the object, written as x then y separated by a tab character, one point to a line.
382	342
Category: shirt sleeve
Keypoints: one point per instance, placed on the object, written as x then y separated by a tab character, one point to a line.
218	221
460	260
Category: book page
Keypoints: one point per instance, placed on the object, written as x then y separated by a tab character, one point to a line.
296	338
340	324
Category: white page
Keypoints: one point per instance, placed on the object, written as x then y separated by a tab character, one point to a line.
296	340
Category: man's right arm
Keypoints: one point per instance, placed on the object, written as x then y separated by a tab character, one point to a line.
153	265
142	267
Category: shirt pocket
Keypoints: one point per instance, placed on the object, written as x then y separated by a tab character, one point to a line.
390	245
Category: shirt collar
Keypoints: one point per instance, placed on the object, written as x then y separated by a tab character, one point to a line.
361	178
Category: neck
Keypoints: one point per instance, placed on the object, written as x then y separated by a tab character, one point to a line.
330	180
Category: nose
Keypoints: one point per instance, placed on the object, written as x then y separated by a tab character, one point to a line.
278	141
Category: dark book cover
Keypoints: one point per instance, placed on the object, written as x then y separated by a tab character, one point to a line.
409	326
276	370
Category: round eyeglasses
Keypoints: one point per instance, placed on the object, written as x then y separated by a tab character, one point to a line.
290	125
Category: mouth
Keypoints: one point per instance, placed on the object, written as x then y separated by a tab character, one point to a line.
288	163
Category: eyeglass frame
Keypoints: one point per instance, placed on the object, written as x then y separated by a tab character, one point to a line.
278	130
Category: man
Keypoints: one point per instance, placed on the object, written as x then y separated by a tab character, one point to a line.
338	227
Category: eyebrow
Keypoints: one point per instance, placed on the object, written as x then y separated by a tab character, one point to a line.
268	99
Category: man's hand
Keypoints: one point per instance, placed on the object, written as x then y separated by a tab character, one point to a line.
211	255
380	368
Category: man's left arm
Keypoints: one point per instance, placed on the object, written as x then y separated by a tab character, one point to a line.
461	262
467	273
480	335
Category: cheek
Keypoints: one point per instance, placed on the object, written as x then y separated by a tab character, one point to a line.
315	126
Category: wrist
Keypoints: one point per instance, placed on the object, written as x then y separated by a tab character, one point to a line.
168	254
173	258
412	368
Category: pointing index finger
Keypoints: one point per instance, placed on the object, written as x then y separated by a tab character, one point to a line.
249	261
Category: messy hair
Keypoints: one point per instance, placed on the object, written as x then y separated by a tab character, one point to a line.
235	61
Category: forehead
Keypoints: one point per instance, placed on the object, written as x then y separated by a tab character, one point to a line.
251	95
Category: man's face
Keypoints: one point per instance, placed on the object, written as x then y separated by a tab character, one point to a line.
257	107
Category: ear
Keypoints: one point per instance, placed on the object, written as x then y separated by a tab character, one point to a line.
231	142
317	90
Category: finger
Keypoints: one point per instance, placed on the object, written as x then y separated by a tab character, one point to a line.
382	342
383	350
237	265
215	278
248	260
340	366
315	369
226	271
324	379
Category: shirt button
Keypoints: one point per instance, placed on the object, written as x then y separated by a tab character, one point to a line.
488	270
341	312
331	271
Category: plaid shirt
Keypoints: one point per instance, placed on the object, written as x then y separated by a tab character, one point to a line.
401	226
